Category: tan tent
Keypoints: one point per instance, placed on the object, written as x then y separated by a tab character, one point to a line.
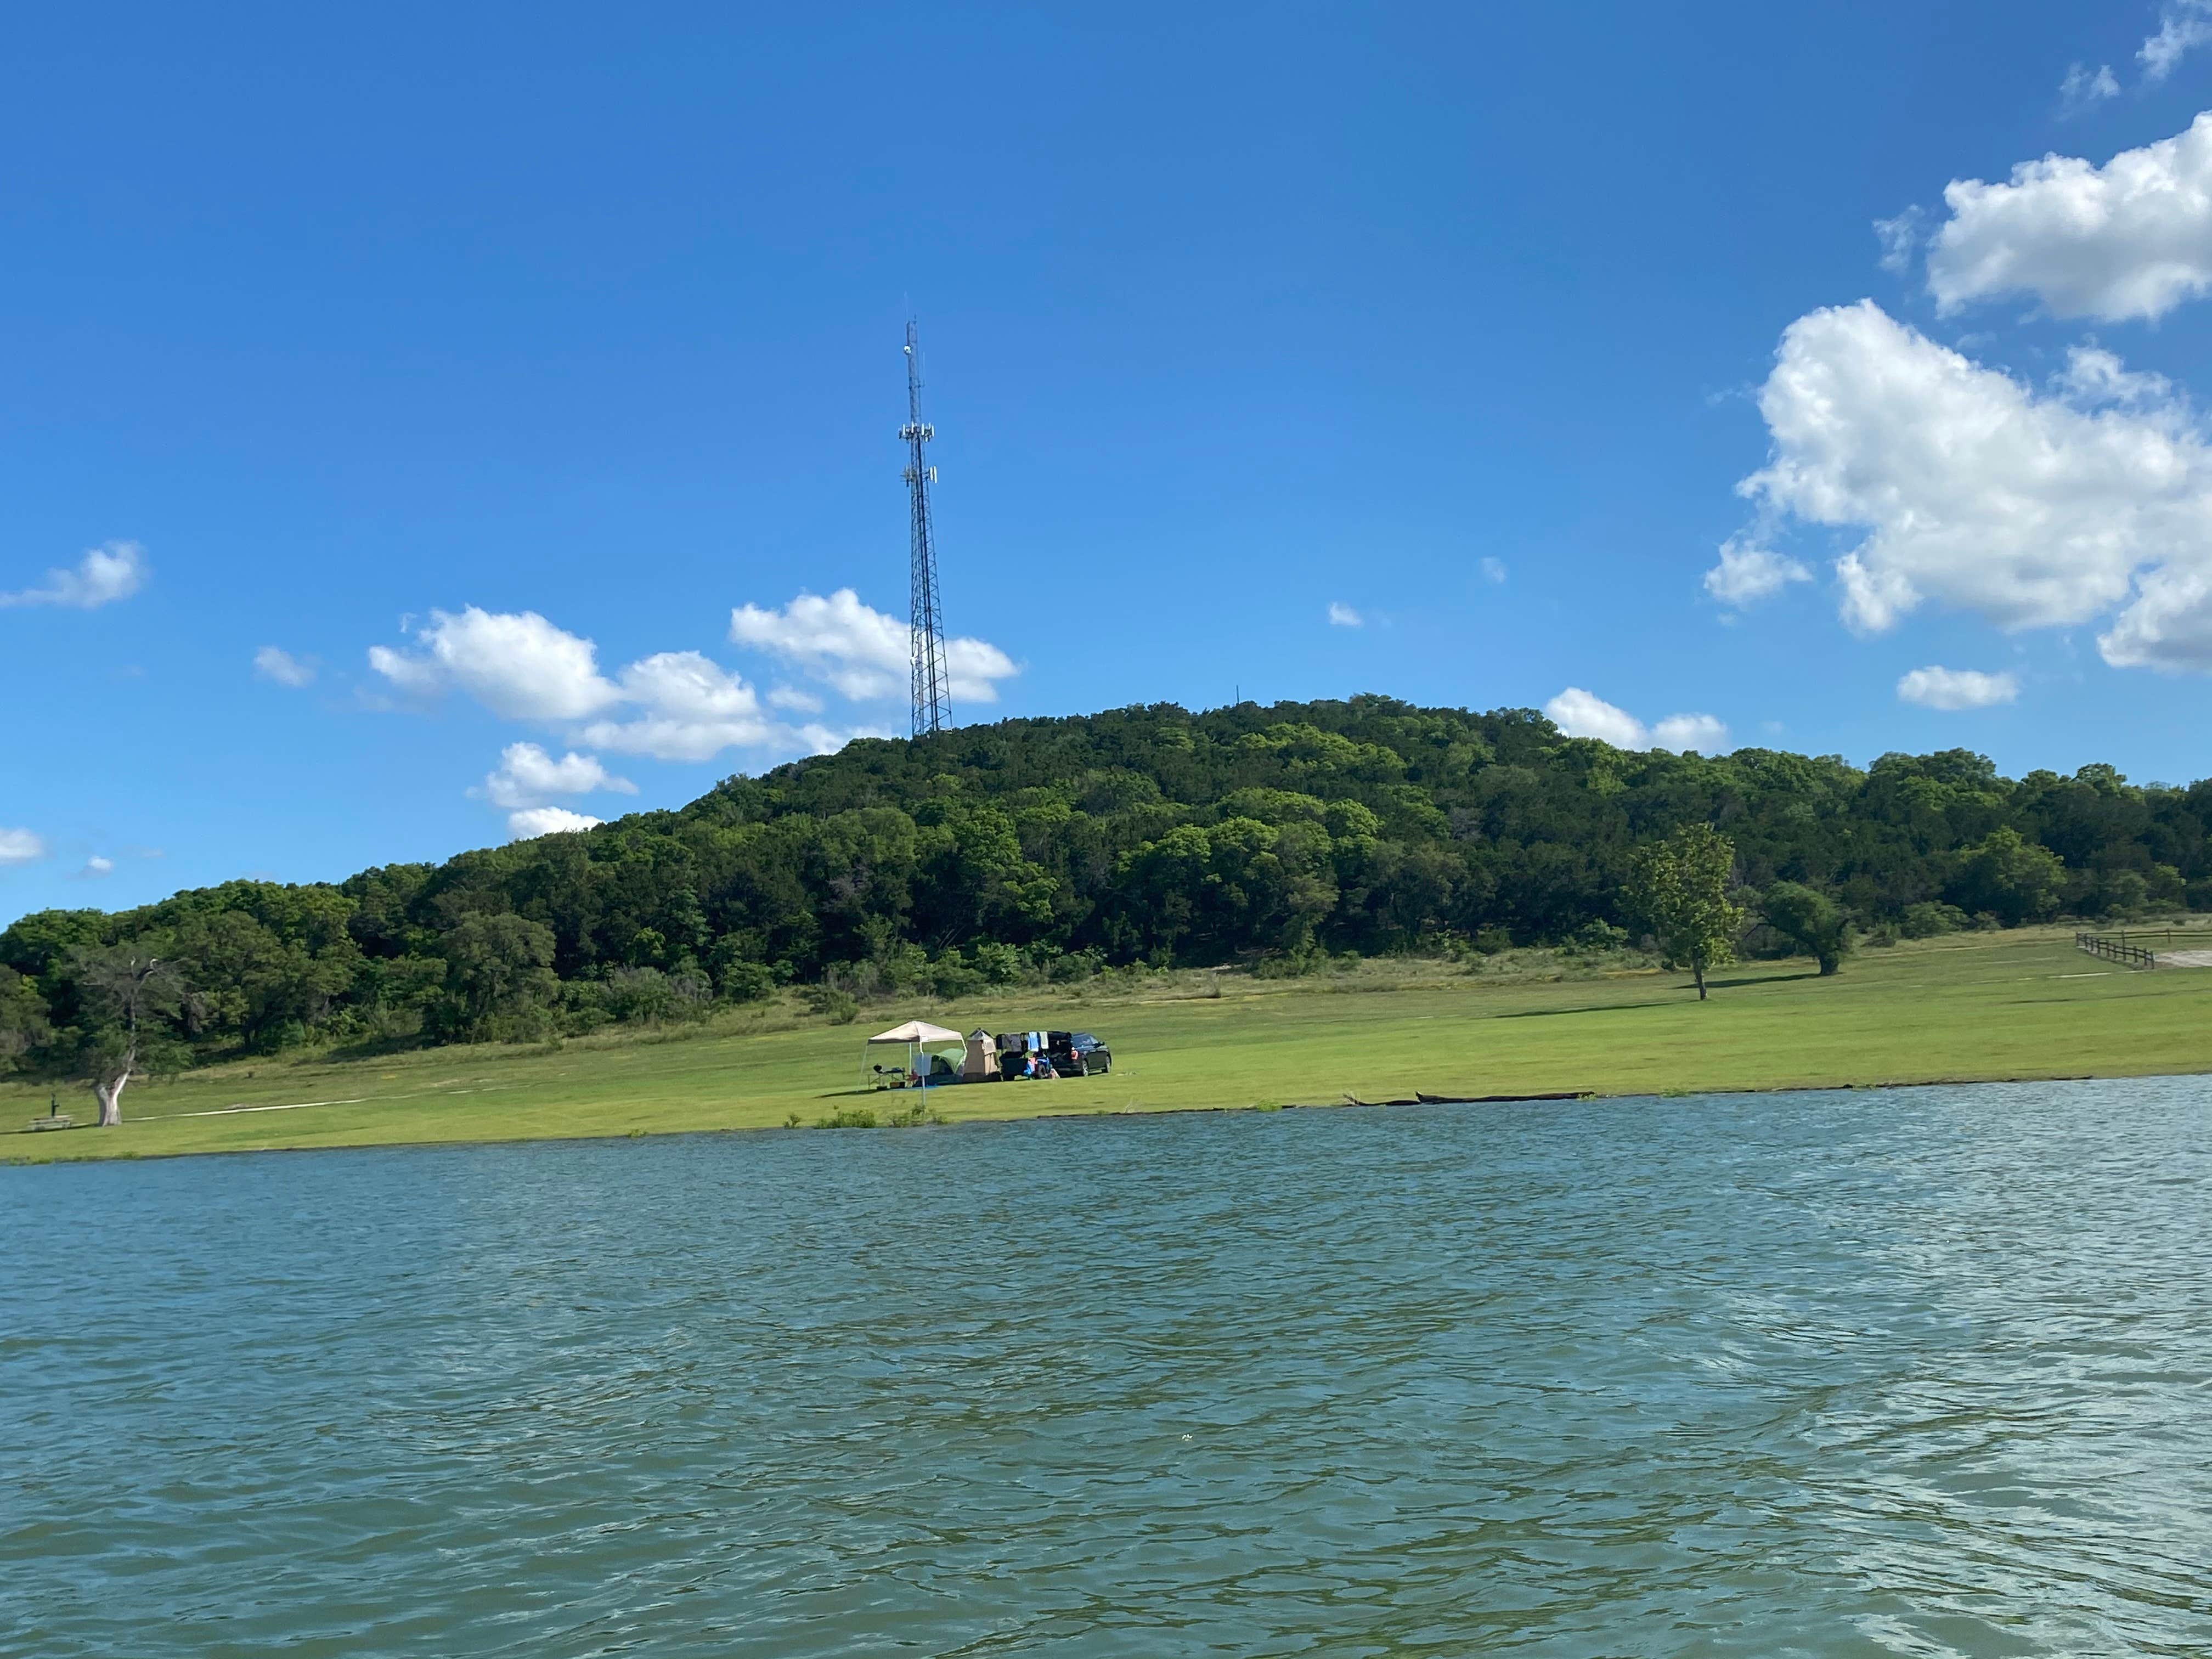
982	1062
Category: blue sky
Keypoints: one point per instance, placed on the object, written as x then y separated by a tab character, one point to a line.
483	363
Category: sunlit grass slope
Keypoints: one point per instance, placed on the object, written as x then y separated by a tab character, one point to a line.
1990	1006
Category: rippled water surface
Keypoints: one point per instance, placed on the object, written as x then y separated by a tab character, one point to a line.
1921	1372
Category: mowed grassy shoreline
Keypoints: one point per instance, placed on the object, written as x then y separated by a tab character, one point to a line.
1973	1007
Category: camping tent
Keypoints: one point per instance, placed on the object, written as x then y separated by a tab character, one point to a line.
916	1037
982	1065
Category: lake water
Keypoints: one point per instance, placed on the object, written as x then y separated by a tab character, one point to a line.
1925	1371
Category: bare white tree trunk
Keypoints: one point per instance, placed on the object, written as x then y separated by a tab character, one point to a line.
109	1093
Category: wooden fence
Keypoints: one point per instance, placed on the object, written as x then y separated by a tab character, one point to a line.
2123	948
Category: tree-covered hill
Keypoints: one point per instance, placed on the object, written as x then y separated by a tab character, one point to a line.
1065	846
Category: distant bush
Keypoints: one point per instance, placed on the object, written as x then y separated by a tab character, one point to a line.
951	978
1598	934
996	963
746	982
1929	920
848	1117
647	996
1077	965
839	1007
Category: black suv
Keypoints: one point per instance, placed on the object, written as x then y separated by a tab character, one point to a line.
1078	1054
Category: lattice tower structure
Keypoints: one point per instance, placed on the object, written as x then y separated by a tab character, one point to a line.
932	701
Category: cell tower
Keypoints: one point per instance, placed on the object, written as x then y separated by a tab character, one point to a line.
933	704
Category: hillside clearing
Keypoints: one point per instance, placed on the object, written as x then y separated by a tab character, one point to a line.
1976	1007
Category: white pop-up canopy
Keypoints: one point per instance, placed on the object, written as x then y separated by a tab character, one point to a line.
917	1032
915	1036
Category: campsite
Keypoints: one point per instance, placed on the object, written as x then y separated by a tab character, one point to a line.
937	1056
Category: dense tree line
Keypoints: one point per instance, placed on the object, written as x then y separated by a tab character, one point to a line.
1062	847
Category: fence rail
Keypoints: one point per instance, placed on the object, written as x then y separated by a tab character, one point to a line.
2119	947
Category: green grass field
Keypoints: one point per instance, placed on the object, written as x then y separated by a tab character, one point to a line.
1986	1005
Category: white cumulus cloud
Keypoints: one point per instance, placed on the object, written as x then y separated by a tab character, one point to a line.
973	669
102	576
2093	377
516	664
2132	239
1748	573
673	705
1702	733
1343	615
273	663
688	707
533	822
1957	687
1581	714
1976	492
860	652
21	846
97	866
528	776
2169	627
2183	26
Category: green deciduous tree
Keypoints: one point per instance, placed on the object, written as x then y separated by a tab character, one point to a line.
24	1026
1679	887
499	977
1810	919
2012	878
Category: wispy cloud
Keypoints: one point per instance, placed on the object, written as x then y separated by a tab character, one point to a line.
1343	615
1953	688
21	846
2084	87
102	576
272	663
2183	26
1900	238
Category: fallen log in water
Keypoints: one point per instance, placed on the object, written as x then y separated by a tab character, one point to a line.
1421	1099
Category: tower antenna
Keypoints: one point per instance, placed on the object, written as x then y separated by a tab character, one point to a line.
933	703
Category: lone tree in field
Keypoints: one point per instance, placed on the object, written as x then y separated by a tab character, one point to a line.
1811	921
127	993
1679	886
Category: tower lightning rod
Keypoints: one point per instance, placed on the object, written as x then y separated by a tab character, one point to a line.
933	704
